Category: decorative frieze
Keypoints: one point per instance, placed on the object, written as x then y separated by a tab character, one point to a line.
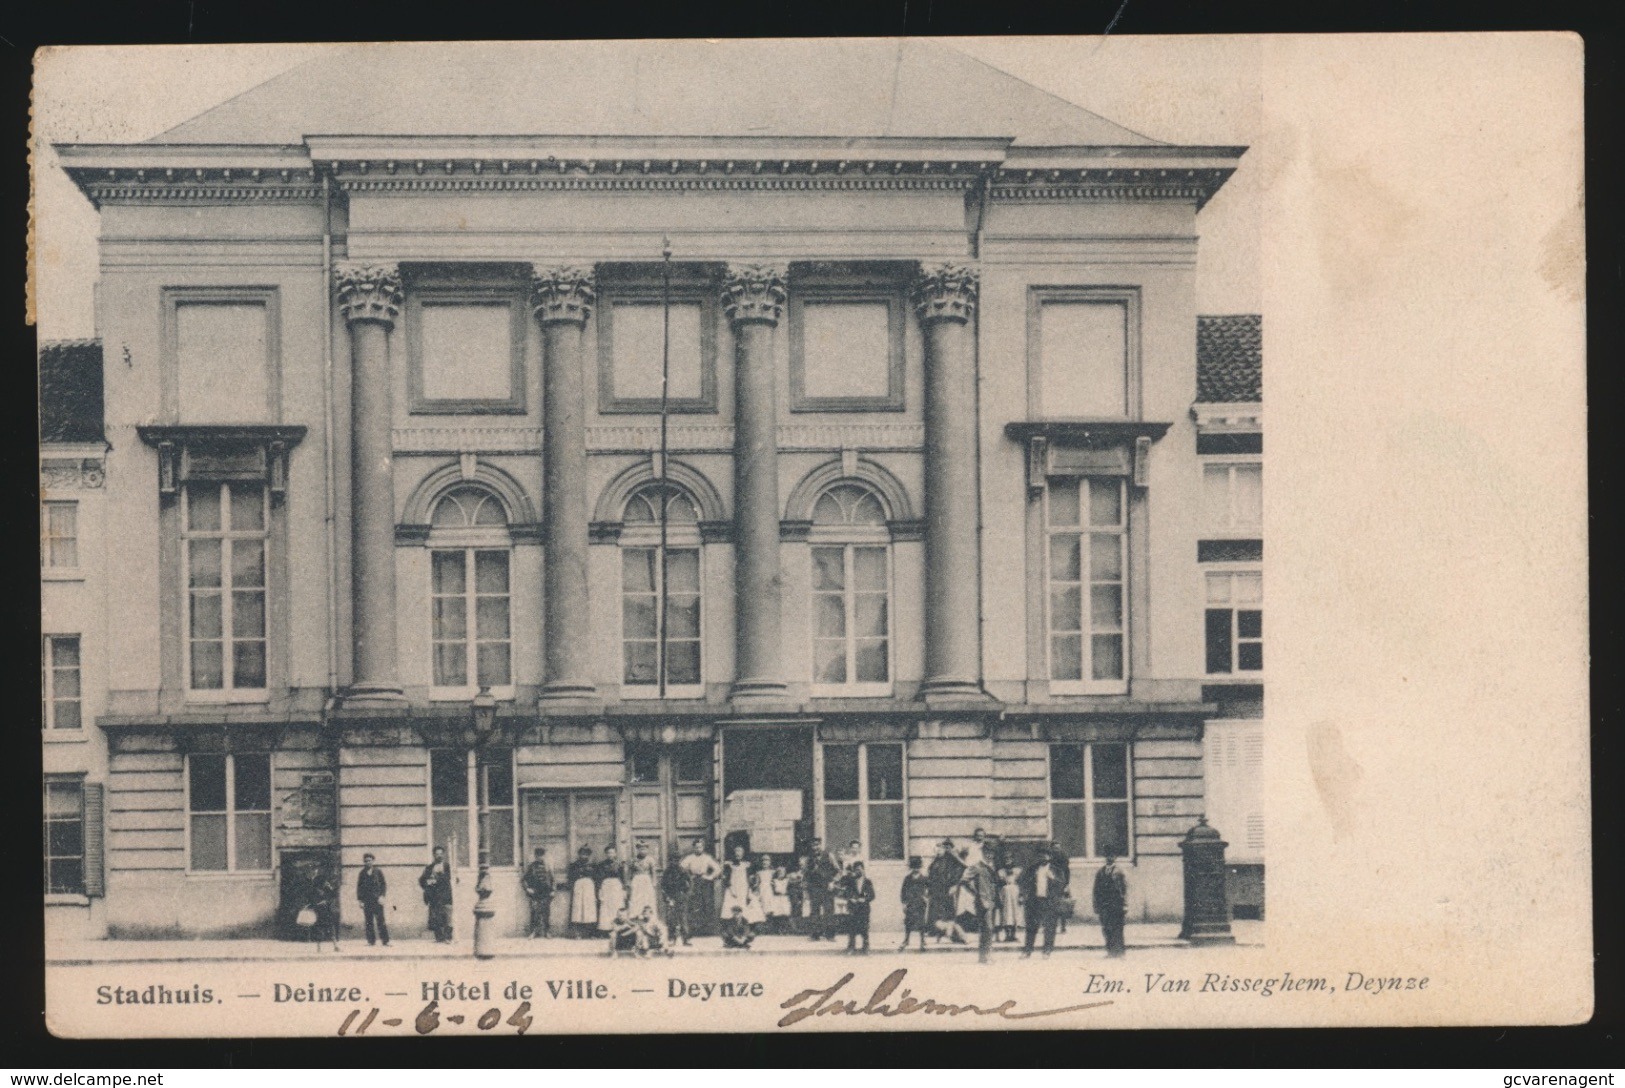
563	294
62	474
368	292
946	292
754	293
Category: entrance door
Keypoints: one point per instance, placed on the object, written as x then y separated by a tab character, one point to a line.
769	758
297	871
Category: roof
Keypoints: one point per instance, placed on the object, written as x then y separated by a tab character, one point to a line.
70	391
1229	359
873	87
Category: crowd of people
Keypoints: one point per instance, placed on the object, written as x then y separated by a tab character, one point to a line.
999	893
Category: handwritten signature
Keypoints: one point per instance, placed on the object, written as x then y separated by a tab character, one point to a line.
809	1003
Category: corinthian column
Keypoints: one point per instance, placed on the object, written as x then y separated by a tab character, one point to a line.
563	299
369	297
753	299
945	302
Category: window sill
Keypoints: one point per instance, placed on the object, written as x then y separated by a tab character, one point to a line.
1063	687
61	574
64	736
1234	677
66	899
223	698
685	691
854	691
1235	532
463	695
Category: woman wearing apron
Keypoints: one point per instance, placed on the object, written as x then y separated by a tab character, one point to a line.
611	889
583	894
736	890
640	894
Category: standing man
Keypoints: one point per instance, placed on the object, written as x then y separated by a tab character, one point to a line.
1042	886
674	892
985	892
819	872
702	870
858	891
435	880
943	877
538	884
1111	901
370	889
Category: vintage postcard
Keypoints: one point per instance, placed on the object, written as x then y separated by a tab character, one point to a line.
770	535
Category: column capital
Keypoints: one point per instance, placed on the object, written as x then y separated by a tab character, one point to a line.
946	291
368	292
754	292
563	293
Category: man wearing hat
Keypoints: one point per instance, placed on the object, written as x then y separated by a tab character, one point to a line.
942	877
370	889
1111	900
819	872
1043	886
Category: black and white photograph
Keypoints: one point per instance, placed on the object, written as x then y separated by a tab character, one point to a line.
731	535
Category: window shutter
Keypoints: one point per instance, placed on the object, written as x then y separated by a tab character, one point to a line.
95	882
1253	761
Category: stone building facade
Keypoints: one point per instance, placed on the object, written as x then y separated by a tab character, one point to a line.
390	436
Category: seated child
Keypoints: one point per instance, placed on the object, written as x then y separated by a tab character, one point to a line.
623	934
650	936
736	931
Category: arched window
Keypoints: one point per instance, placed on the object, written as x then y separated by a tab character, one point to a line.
470	554
851	592
660	594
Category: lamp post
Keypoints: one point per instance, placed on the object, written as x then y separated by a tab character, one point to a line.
483	710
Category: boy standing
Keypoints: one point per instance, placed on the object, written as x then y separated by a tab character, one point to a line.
858	891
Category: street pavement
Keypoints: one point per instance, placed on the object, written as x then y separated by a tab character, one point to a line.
1080	939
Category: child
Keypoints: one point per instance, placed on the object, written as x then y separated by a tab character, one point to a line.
858	891
795	889
916	894
624	936
650	937
1010	900
736	931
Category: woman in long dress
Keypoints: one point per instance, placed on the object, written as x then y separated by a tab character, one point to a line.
583	894
736	889
775	904
1010	914
641	894
611	889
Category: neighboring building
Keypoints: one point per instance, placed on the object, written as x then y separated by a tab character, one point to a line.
73	646
1230	446
387	433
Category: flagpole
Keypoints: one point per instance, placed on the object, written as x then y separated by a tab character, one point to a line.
665	490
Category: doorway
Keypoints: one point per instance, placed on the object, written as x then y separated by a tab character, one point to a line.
297	871
773	757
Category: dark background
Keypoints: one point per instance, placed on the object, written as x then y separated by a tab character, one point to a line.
26	26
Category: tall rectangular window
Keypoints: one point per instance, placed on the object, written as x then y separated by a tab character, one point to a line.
1235	621
222	354
459	782
228	801
1089	799
59	535
642	603
470	604
1087	543
1083	364
62	682
864	798
851	620
225	541
1232	497
64	837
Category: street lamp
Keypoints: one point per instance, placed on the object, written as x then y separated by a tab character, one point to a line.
483	711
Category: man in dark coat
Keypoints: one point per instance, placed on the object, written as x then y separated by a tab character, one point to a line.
1042	885
985	890
370	889
435	880
942	876
1111	901
538	883
819	872
674	890
858	891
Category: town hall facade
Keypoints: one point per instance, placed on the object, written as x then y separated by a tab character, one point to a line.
545	457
